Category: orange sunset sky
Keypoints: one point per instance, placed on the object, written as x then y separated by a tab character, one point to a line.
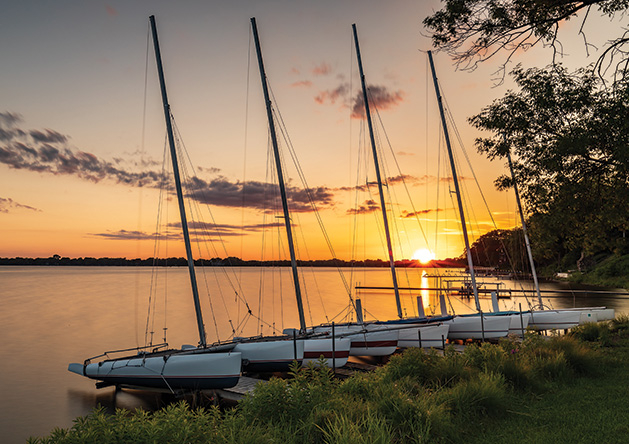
76	141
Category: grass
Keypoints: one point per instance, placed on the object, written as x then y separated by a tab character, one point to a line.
566	389
611	272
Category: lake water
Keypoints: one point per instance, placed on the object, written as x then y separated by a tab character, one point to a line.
51	316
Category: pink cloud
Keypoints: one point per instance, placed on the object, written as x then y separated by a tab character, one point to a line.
332	95
322	69
302	83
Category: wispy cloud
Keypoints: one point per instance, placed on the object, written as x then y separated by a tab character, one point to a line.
134	235
333	95
199	230
392	180
406	214
322	69
7	204
302	84
368	206
111	11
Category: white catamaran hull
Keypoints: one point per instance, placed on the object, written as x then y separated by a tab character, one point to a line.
270	356
554	319
423	335
518	323
377	342
314	349
471	327
593	314
189	371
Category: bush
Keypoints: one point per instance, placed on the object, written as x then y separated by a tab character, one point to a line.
485	395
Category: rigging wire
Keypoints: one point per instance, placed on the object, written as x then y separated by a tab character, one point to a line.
462	146
307	189
151	313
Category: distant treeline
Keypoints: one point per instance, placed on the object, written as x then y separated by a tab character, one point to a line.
217	261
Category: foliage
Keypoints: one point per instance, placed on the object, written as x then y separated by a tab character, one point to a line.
613	271
177	423
418	397
570	136
503	249
472	31
603	333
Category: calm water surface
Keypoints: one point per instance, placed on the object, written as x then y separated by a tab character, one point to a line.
51	316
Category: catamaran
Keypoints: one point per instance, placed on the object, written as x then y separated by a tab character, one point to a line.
191	367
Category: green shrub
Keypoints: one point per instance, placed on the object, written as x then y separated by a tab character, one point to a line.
370	428
485	395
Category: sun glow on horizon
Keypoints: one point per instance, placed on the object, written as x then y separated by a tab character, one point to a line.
423	255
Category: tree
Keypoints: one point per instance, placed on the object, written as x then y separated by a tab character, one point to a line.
472	31
503	249
570	136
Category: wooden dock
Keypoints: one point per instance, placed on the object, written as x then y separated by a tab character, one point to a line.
245	385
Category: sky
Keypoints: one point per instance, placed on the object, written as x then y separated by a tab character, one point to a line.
82	128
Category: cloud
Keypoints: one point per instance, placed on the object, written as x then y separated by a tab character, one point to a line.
302	83
134	235
400	178
404	153
8	204
49	136
49	152
379	97
405	214
211	170
111	11
332	95
209	230
258	195
322	70
368	206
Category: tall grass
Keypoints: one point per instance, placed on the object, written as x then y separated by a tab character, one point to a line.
418	397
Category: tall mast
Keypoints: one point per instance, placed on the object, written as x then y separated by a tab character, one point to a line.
526	237
182	208
280	178
379	179
456	182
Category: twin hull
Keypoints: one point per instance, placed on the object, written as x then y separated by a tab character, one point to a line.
336	354
378	342
270	356
475	327
175	371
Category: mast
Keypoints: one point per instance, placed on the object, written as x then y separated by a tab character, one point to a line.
182	208
280	178
377	165
456	182
526	237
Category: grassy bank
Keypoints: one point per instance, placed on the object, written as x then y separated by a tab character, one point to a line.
613	271
563	389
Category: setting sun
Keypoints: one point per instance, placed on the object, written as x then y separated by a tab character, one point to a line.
423	255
